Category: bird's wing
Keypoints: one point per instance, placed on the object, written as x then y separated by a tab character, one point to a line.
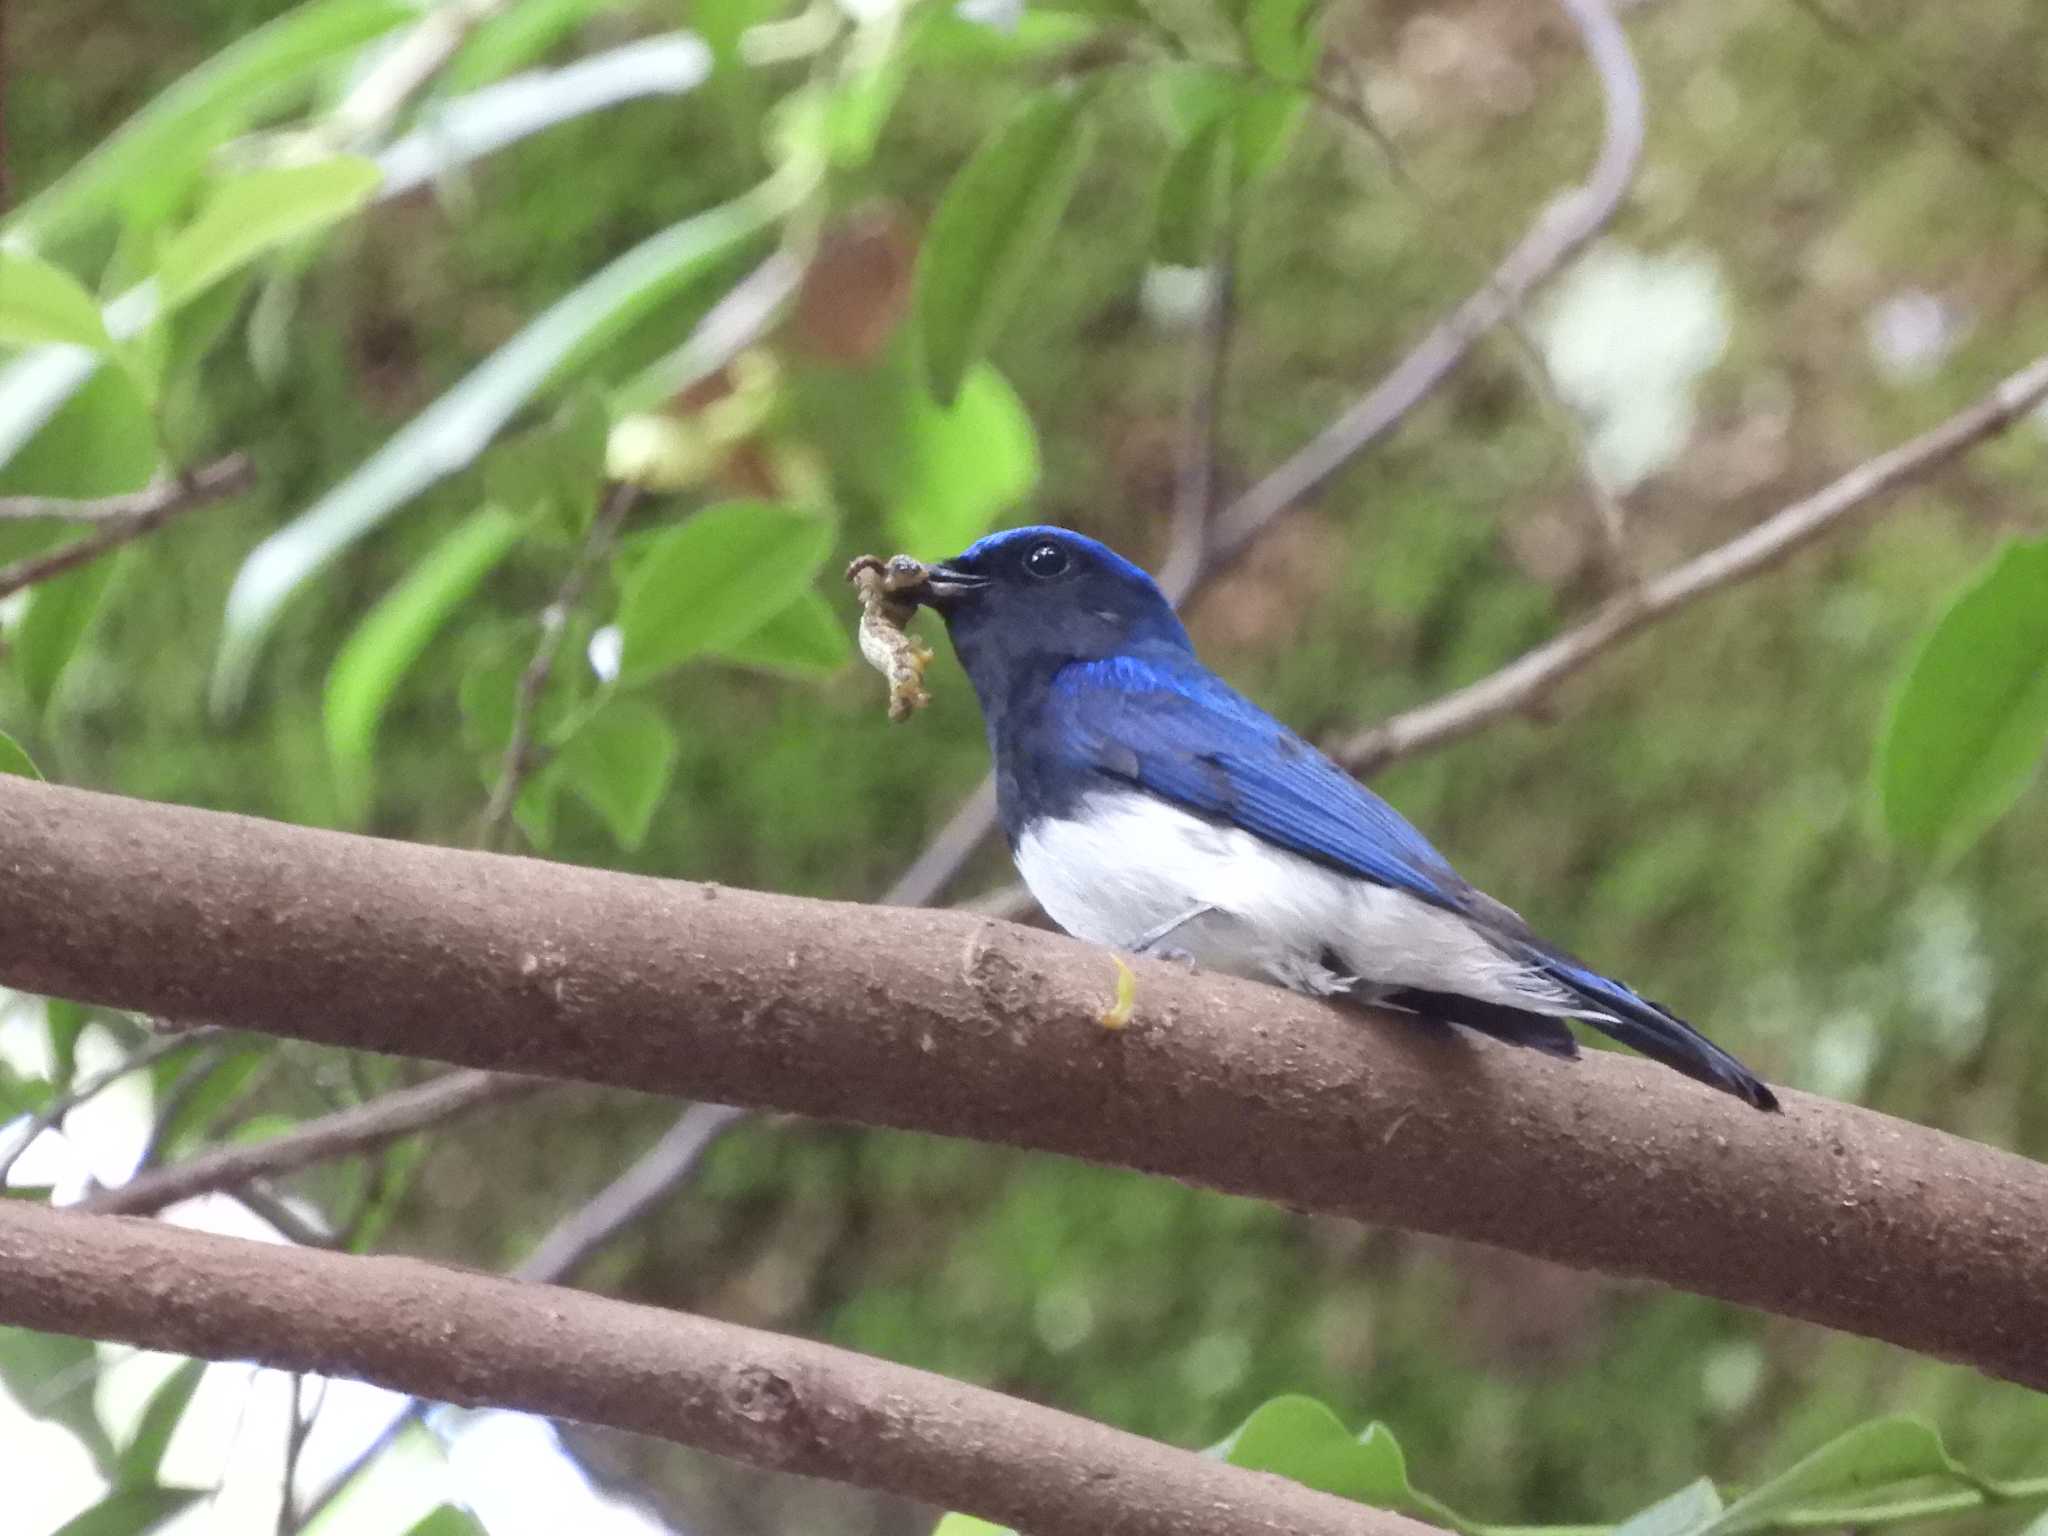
1170	726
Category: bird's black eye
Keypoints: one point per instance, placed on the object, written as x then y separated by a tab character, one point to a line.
1046	561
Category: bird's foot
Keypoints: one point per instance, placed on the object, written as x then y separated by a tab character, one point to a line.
1184	958
1119	1012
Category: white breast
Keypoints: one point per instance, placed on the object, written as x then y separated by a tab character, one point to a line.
1128	863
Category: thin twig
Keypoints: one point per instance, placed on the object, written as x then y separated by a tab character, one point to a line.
267	1205
344	1479
1559	233
1526	679
210	482
52	1114
132	517
296	1427
358	1128
1196	473
1609	517
190	1079
518	760
632	1195
1974	140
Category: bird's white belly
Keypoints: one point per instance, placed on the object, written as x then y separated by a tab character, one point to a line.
1127	864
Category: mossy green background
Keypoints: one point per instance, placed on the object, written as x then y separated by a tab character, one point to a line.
1694	812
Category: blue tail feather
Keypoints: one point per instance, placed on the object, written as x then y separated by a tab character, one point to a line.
1658	1033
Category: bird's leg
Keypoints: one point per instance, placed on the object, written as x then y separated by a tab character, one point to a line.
1118	1014
1148	942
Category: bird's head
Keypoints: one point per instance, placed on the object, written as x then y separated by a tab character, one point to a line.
1025	602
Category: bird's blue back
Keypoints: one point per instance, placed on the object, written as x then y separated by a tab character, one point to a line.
1158	720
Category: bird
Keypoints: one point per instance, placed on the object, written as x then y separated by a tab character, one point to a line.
1153	809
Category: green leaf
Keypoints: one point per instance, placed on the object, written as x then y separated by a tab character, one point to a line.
448	1520
40	303
515	38
1281	37
969	1525
489	690
130	1512
21	1095
808	638
1969	724
250	214
534	810
452	431
210	1100
1262	116
14	760
382	649
144	1457
1692	1509
940	477
51	1375
1870	1456
555	471
620	764
951	42
1194	196
858	104
65	1021
60	612
714	579
99	441
163	144
958	470
993	229
1299	1438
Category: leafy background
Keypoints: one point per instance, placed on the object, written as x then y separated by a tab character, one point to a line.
1838	240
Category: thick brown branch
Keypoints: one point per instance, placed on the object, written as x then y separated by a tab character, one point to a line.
120	519
1532	675
758	1397
945	1022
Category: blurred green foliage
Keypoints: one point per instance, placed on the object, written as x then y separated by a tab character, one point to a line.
1697	813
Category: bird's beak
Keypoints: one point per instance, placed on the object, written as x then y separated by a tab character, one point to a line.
946	587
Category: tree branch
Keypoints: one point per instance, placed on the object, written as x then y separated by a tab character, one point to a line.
1195	497
517	762
51	1115
222	478
1563	228
1535	673
120	518
758	1397
948	1023
570	1244
345	1132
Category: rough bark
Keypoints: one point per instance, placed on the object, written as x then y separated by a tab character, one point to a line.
950	1023
759	1397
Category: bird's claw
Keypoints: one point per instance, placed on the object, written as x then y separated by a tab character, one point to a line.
1119	1012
